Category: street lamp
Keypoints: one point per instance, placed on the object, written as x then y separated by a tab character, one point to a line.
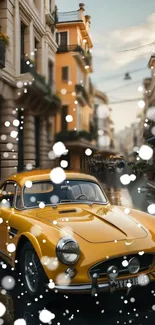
127	76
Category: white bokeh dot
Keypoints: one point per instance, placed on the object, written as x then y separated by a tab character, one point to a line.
151	208
125	179
11	248
36	230
41	205
20	321
9	146
19	84
8	282
69	118
28	184
64	163
16	122
59	149
7	124
13	134
54	199
46	316
88	152
57	175
3	137
2	309
145	152
63	91
29	166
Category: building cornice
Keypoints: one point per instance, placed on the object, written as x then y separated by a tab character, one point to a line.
28	14
8	79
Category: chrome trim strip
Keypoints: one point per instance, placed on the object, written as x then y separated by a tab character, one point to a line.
80	288
6	256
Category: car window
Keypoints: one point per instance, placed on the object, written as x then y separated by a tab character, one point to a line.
68	191
19	199
7	195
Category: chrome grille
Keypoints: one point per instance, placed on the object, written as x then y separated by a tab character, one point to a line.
146	261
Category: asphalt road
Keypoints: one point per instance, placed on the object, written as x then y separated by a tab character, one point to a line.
105	309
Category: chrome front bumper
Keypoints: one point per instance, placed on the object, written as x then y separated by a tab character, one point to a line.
83	288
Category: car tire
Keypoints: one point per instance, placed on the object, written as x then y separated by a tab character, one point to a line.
32	272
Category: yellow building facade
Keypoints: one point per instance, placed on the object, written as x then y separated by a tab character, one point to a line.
74	123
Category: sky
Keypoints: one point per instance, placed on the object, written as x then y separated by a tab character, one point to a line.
119	29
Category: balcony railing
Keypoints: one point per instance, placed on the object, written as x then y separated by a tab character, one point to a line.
31	68
2	55
76	48
80	90
70	48
40	81
69	16
73	135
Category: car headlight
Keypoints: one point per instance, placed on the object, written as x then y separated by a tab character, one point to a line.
68	251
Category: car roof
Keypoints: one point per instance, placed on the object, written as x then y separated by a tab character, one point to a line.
40	175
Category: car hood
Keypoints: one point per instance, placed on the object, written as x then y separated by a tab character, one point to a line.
96	224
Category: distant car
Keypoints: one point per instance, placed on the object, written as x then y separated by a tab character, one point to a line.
69	237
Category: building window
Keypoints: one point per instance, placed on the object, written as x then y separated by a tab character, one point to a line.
36	57
63	118
50	73
57	38
62	38
37	140
22	48
50	6
20	143
65	73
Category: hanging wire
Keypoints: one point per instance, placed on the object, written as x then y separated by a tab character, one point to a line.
126	101
123	86
138	47
121	75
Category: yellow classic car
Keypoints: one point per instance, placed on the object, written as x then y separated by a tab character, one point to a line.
67	237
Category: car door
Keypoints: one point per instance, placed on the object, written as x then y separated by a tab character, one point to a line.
8	192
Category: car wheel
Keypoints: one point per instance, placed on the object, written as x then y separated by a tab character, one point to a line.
33	274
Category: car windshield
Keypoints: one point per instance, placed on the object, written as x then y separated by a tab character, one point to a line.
45	192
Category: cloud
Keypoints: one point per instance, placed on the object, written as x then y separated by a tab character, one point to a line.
124	46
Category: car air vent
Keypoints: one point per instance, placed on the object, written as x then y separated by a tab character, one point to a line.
68	211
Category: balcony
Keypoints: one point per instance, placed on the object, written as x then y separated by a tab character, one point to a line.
73	136
30	68
82	95
147	134
70	16
70	48
85	56
50	19
39	93
2	54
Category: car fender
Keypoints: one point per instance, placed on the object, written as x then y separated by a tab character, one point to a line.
33	240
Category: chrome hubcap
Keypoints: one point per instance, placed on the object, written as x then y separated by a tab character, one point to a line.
31	271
